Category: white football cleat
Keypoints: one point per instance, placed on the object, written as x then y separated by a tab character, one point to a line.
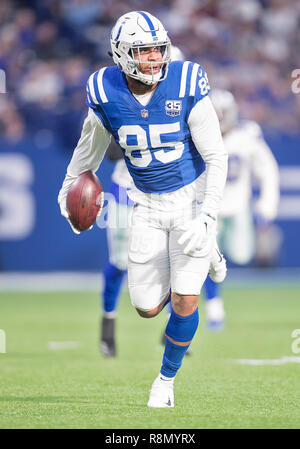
215	314
161	393
217	270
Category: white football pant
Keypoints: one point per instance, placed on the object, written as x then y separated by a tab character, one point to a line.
156	261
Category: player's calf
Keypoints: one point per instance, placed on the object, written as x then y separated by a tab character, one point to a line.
179	333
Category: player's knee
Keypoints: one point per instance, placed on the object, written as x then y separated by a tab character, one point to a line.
242	258
184	304
147	299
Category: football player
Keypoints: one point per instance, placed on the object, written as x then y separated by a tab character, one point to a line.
248	156
117	230
160	114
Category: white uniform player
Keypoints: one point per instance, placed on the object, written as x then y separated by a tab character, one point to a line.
160	114
248	157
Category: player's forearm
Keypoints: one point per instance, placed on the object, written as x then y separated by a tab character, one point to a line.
206	135
267	172
91	146
267	204
216	172
65	188
88	153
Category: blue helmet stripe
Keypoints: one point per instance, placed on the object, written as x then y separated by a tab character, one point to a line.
148	20
119	32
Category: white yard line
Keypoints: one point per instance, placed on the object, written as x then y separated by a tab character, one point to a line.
63	345
261	362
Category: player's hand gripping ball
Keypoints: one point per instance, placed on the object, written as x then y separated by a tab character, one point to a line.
85	201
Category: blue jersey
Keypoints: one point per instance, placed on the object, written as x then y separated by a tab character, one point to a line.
156	141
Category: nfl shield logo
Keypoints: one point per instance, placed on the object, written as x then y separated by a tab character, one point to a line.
144	113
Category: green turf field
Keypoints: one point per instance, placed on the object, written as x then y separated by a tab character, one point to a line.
77	388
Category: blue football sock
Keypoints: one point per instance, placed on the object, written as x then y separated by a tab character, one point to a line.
181	329
212	289
113	278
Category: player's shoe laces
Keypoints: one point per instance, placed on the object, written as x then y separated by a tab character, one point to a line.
107	341
217	270
215	314
161	393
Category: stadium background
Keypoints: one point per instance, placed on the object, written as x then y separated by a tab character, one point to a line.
52	375
47	51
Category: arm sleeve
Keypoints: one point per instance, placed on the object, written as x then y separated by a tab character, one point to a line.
88	153
265	170
200	84
205	131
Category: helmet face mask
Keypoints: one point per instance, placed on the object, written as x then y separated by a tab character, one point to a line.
133	34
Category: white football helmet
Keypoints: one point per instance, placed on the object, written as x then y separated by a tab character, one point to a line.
132	32
226	108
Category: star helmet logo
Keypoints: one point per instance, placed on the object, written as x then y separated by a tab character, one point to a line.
144	113
173	107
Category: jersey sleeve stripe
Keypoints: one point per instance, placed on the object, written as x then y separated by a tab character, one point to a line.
90	101
194	79
183	79
100	86
91	89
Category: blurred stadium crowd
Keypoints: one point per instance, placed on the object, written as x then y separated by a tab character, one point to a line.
48	48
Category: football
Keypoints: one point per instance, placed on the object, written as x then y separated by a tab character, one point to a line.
84	201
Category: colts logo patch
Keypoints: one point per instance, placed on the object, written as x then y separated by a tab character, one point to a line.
173	107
